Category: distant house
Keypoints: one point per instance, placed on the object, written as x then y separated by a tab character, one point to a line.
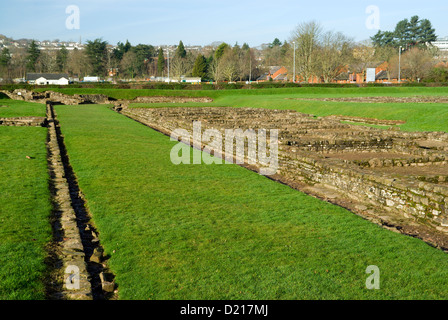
193	80
441	43
275	73
47	78
91	79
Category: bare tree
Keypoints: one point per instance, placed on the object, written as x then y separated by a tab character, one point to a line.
416	63
47	61
387	54
129	65
178	66
18	63
229	65
306	37
331	54
215	70
363	56
78	63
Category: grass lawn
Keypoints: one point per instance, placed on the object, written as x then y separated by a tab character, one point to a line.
223	232
418	116
17	108
300	92
24	212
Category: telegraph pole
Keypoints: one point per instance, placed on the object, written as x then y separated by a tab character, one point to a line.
294	72
168	49
399	65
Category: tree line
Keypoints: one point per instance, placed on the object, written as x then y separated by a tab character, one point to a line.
312	52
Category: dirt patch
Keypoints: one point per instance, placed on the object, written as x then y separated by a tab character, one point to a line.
368	155
380	122
424	170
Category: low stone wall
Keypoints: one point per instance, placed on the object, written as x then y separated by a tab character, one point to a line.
24	122
404	195
56	97
72	251
163	99
391	173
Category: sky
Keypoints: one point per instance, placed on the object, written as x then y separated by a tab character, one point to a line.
201	22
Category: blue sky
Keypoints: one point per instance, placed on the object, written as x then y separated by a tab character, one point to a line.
200	22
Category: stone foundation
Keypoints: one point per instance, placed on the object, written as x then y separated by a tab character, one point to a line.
61	98
24	122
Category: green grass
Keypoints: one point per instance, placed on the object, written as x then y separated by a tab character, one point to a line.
302	92
418	116
17	108
24	213
223	232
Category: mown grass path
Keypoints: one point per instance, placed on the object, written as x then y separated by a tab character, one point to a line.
25	208
223	232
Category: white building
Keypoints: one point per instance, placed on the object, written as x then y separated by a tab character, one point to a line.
91	79
47	78
193	80
441	43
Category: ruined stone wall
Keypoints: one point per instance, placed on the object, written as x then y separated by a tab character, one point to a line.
61	98
24	122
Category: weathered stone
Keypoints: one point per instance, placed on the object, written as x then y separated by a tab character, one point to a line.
97	255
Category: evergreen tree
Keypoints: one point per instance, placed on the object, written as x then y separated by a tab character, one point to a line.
143	55
5	57
381	39
403	33
33	56
127	46
407	33
96	52
220	50
276	42
121	49
414	30
5	61
200	67
426	32
180	51
245	46
160	62
61	59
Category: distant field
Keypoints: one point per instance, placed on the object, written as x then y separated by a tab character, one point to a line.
24	212
223	232
302	92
